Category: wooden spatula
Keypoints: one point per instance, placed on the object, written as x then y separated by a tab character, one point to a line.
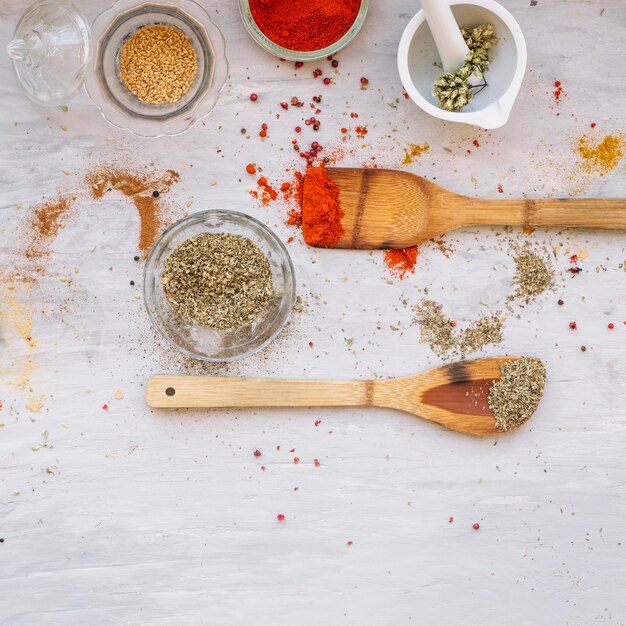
392	209
454	396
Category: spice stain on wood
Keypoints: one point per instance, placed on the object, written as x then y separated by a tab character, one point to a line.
141	188
461	396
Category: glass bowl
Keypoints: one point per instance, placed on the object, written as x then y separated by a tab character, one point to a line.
296	55
112	28
209	344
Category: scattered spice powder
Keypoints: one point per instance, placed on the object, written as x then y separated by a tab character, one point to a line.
414	151
321	210
533	274
515	396
218	280
139	186
604	156
400	262
304	26
45	225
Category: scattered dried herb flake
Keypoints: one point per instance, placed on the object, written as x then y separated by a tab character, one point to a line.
534	274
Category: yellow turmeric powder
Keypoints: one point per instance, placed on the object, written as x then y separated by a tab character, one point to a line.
604	156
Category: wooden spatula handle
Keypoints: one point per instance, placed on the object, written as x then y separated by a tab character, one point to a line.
208	391
606	213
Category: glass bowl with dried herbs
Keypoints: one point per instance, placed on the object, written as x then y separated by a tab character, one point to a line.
219	285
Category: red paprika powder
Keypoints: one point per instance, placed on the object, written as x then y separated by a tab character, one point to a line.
401	262
304	25
321	212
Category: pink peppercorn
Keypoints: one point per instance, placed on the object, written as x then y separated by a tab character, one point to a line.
254	97
572	325
280	517
327	81
476	526
257	453
611	325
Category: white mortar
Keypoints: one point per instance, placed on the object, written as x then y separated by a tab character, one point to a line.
417	55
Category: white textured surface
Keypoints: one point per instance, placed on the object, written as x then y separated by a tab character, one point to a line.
166	518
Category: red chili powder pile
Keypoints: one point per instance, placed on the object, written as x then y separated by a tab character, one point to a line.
146	192
400	262
304	25
321	211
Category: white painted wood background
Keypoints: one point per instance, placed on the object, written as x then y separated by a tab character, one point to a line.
154	517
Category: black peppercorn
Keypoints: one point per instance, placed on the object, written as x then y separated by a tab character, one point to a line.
132	282
560	302
155	194
136	257
583	349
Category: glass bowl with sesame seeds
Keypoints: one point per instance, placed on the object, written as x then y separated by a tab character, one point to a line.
157	67
198	284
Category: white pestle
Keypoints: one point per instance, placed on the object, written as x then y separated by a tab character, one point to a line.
450	44
446	33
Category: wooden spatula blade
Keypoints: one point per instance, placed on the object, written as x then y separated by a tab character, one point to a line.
382	208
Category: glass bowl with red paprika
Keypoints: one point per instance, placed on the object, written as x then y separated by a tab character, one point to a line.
303	31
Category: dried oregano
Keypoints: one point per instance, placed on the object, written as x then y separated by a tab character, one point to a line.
515	396
438	331
534	273
218	280
452	88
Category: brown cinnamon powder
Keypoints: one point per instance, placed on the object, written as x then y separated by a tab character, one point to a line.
146	192
44	226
